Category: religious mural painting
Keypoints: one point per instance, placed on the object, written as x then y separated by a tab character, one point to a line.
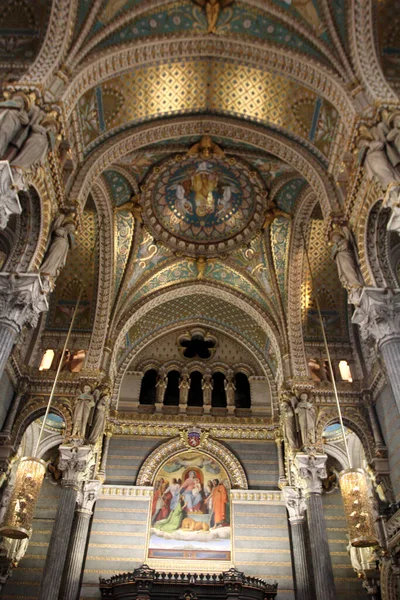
190	512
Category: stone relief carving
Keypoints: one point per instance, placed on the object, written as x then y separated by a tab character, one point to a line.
9	201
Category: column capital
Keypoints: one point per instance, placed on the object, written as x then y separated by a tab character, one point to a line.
75	463
295	503
311	470
378	315
88	495
9	201
22	298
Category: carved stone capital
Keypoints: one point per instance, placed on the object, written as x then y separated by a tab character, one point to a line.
311	470
87	496
378	315
75	463
295	503
22	299
9	201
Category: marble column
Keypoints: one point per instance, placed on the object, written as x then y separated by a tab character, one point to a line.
104	455
378	315
77	544
22	299
281	463
311	470
75	463
13	409
380	446
296	507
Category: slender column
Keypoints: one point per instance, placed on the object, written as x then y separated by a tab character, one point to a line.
311	470
296	506
378	315
22	299
74	462
76	552
376	431
12	412
104	455
184	385
281	464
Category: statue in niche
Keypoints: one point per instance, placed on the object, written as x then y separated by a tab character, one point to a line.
161	386
99	418
41	138
272	212
307	419
212	10
13	118
207	387
345	256
62	239
230	388
83	406
288	419
184	385
393	135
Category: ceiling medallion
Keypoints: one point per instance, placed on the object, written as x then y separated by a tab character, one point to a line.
203	205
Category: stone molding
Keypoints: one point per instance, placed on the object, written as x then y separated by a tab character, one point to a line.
75	463
256	497
295	503
378	315
22	299
136	492
311	469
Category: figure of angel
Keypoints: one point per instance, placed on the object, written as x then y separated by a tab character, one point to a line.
224	203
182	204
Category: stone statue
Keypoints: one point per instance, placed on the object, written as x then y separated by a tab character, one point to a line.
230	391
344	254
289	424
9	201
213	9
393	136
307	419
161	386
207	387
41	138
61	241
377	163
13	117
184	385
83	405
99	418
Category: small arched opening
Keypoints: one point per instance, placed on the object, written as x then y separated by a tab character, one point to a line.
171	397
195	397
242	391
148	388
218	397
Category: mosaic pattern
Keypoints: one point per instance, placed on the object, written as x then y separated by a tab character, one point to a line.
280	236
204	202
120	188
21	37
202	307
123	232
150	254
205	84
288	194
80	261
332	297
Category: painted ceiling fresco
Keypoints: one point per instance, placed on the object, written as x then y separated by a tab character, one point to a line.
202	85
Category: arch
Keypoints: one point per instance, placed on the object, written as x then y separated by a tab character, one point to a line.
35	408
171	397
242	391
172	128
209	446
195	396
317	77
147	394
218	395
353	421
